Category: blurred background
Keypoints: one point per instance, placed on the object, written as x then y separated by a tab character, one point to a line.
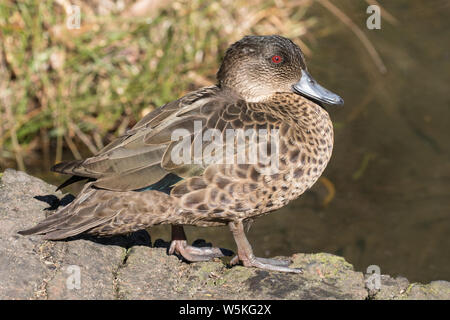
384	198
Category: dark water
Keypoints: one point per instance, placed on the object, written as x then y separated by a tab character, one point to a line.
390	167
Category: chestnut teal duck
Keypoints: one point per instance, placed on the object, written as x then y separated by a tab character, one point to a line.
135	183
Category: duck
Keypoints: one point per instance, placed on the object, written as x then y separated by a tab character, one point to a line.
171	167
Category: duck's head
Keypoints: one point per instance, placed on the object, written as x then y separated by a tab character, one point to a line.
257	67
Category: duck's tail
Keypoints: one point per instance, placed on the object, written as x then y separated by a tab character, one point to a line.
74	168
75	218
105	213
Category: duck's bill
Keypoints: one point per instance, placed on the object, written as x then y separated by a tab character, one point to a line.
309	88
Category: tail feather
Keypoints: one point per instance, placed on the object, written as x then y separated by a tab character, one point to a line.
104	212
70	181
79	216
76	168
66	167
58	233
48	223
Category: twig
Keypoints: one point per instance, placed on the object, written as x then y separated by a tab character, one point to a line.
98	140
358	32
84	138
15	142
45	145
384	13
73	148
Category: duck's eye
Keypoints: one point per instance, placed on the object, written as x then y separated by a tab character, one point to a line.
277	59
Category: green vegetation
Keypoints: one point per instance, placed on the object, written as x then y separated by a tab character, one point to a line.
79	88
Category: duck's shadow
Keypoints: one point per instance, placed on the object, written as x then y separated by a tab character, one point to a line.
54	202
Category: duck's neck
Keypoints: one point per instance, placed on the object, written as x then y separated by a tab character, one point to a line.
303	121
294	109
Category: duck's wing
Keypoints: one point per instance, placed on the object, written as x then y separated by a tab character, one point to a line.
208	191
140	157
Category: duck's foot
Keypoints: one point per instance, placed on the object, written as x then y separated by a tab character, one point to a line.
274	262
265	263
248	259
193	253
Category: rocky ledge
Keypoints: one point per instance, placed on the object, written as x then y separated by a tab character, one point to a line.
129	267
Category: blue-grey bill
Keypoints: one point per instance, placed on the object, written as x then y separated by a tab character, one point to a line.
309	88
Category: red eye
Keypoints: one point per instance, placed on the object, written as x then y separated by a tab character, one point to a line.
277	59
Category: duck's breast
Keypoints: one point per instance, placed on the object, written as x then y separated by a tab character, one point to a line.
306	145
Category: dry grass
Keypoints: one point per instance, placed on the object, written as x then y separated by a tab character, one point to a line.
78	89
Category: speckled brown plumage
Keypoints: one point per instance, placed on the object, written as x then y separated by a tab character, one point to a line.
207	194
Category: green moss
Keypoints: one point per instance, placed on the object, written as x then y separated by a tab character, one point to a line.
408	290
432	290
207	270
236	275
328	260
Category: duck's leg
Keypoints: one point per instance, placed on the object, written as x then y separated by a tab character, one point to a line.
190	253
245	253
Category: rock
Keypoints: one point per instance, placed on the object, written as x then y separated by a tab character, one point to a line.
325	277
400	289
127	267
34	269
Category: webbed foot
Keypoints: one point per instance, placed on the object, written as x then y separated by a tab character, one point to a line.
248	259
196	254
266	263
193	253
274	262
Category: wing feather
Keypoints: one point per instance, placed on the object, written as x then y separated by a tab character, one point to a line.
134	160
